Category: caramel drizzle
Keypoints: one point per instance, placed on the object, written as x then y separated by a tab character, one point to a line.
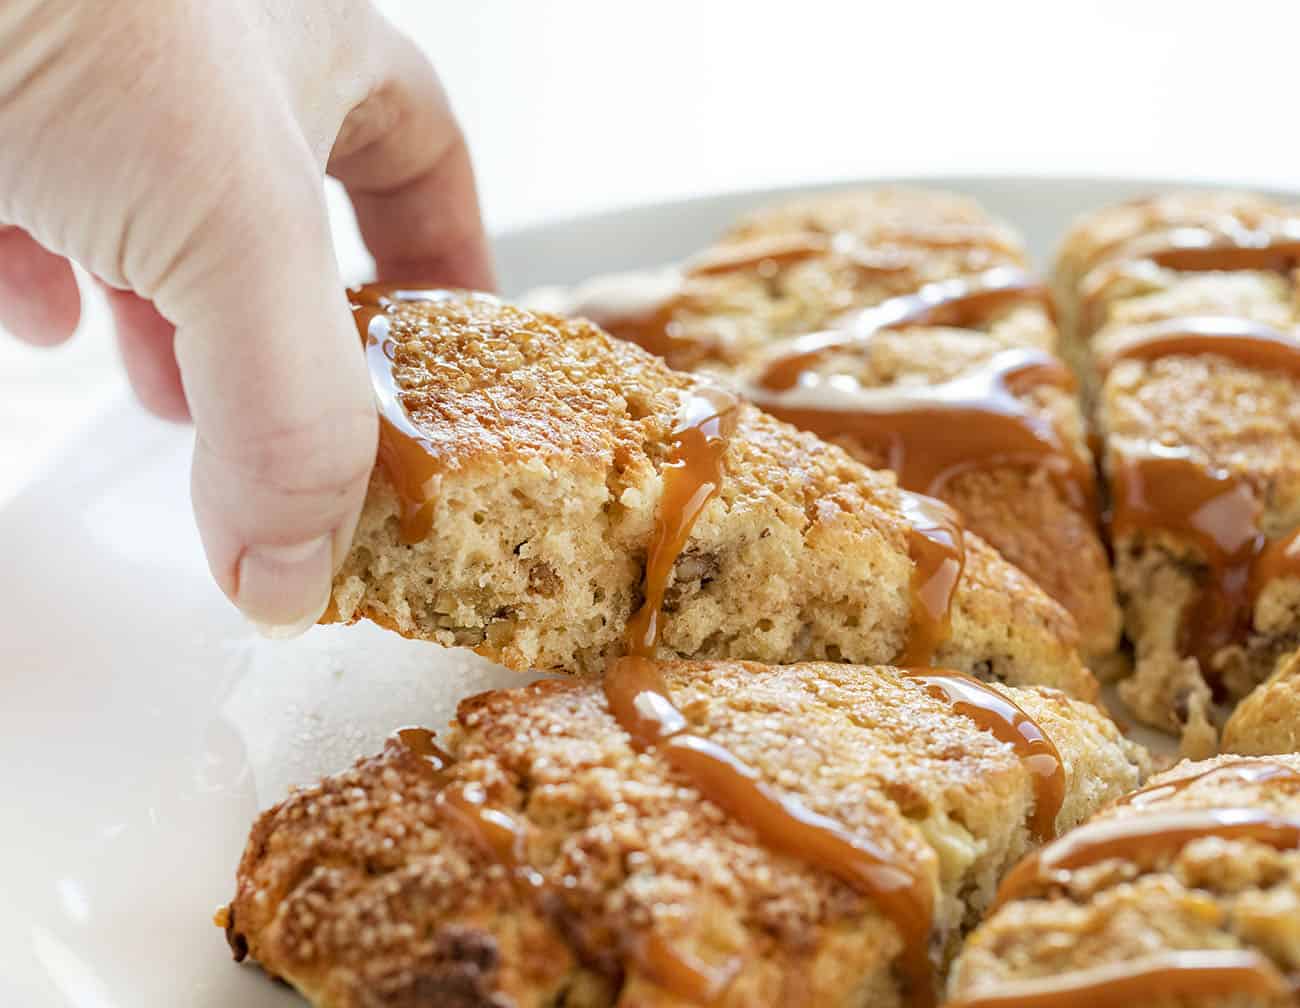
504	838
1227	248
1143	839
961	301
1199	974
640	701
1006	721
421	742
1214	511
1209	507
653	327
931	434
405	454
692	477
499	834
936	543
1219	514
1238	771
1241	341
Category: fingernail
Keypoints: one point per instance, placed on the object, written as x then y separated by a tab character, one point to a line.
283	590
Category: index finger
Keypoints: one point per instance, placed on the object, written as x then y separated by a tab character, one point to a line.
402	157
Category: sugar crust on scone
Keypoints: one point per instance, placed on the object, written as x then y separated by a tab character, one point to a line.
359	892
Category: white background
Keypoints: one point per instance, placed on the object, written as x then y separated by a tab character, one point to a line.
572	106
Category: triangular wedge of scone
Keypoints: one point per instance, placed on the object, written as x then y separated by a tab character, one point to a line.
814	834
523	460
1183	894
907	327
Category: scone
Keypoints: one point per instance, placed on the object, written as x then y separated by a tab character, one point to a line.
1268	720
1181	310
524	461
682	833
902	325
1183	895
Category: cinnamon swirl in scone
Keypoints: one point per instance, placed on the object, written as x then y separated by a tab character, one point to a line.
680	833
904	326
525	461
1183	310
1185	894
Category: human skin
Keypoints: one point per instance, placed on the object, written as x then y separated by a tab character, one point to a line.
176	150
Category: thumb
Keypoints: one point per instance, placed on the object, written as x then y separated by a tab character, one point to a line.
284	415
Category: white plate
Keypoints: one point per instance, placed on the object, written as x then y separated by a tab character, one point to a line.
142	726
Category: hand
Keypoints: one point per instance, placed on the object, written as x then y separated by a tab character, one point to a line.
175	148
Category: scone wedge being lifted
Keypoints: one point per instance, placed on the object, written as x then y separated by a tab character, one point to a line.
523	465
1185	894
811	835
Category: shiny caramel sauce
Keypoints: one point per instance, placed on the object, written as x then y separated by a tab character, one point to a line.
1215	512
498	833
1241	341
1238	771
1192	250
685	976
1006	721
692	476
932	433
961	301
1229	245
936	544
1187	974
1143	839
404	452
640	701
651	326
504	838
421	742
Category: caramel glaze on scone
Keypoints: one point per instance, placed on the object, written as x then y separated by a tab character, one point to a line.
1182	313
1183	895
517	492
545	859
931	354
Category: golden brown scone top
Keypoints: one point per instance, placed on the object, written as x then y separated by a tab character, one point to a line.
360	892
1235	897
546	450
